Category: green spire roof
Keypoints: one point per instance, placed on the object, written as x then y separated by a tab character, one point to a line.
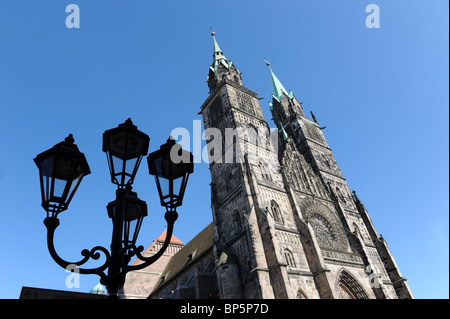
285	136
219	57
278	88
218	54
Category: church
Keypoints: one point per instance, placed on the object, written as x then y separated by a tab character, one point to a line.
285	223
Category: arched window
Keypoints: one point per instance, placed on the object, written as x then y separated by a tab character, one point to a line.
356	231
289	258
252	133
264	171
349	288
325	160
276	212
301	294
341	196
237	221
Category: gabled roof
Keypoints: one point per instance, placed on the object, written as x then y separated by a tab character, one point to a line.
192	251
161	238
173	240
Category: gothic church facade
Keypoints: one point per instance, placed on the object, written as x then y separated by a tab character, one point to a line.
285	223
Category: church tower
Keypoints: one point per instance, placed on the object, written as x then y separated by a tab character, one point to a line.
307	138
286	223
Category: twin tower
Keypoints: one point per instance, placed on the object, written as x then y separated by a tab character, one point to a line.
284	216
285	223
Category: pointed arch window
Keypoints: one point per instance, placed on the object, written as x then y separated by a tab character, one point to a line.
276	212
264	171
237	223
301	294
340	195
325	160
290	261
349	288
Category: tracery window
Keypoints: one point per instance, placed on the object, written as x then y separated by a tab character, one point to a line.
276	212
215	112
301	295
340	195
264	171
289	258
245	102
349	288
323	231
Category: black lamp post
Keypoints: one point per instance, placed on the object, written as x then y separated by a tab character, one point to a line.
61	170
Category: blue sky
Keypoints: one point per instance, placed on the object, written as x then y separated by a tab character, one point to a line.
382	93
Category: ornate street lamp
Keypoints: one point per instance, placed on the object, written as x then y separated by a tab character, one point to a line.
61	170
125	146
171	167
135	210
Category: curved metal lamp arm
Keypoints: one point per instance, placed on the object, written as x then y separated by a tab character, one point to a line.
171	217
52	223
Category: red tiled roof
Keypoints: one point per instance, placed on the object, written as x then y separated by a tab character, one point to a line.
161	238
173	240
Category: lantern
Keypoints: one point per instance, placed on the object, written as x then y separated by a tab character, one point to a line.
125	146
171	166
132	212
61	170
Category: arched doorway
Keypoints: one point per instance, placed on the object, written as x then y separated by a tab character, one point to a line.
349	288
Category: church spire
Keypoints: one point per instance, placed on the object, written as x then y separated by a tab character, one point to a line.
221	69
218	54
278	88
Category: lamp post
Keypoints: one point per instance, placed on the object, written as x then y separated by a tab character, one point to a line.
61	169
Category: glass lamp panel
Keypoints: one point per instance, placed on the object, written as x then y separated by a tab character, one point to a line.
129	228
46	170
117	168
73	187
58	188
130	165
177	183
162	176
46	185
123	164
183	184
137	228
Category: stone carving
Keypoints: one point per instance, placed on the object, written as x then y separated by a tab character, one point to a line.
326	225
348	287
